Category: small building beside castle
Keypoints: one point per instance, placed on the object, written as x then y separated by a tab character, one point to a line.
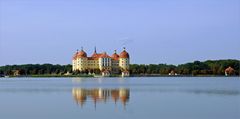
114	64
229	71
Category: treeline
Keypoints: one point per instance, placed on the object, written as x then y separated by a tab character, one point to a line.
35	69
210	67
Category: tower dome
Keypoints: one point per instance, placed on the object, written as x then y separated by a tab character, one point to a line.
115	56
81	54
124	54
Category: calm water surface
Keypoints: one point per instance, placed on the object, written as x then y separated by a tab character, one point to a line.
120	98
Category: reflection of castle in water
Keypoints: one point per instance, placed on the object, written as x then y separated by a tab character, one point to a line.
100	95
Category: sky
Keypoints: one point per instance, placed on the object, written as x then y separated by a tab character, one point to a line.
153	31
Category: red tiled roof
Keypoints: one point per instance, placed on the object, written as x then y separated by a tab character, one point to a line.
115	56
82	54
79	54
229	69
96	56
124	54
104	55
106	71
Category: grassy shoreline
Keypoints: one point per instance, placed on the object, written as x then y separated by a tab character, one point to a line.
117	76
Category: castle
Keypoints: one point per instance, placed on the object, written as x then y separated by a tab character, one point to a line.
102	62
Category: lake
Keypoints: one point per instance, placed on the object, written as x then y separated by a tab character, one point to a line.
120	98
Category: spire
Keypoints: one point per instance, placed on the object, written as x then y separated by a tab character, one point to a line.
82	48
124	48
95	49
115	51
77	50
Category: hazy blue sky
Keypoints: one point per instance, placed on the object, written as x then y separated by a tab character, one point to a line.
153	31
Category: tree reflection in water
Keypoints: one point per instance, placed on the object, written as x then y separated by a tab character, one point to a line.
81	95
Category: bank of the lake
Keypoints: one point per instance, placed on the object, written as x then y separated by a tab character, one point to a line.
117	76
